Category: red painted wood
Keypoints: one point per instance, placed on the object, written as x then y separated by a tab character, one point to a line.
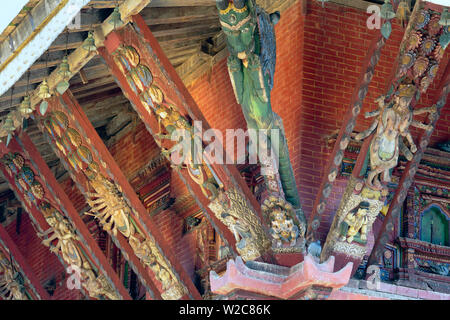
175	92
144	222
58	193
377	43
24	266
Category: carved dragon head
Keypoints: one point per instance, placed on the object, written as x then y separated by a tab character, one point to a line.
238	23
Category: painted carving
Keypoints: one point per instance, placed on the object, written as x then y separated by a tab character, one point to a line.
420	55
355	223
432	266
354	219
108	205
232	209
11	281
62	231
141	81
250	35
236	215
105	197
392	125
285	232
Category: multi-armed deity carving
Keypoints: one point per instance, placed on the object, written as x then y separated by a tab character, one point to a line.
390	136
108	203
250	35
11	281
392	125
61	236
67	246
109	206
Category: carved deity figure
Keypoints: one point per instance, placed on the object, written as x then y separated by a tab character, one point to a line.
62	230
232	209
109	206
240	231
11	286
392	125
250	36
356	222
283	229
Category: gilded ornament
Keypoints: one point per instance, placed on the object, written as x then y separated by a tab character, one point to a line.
11	281
67	246
108	205
420	66
232	209
156	94
422	19
74	137
428	46
414	41
433	26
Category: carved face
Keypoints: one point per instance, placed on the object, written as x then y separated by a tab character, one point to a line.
239	28
361	212
52	221
402	103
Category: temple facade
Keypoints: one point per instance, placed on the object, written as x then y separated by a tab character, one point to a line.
225	150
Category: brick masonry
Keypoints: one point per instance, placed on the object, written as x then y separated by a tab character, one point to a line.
319	59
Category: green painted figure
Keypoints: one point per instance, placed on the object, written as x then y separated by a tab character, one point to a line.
250	35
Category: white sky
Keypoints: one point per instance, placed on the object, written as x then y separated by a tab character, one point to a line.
9	10
441	2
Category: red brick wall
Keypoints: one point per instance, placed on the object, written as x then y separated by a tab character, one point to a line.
319	59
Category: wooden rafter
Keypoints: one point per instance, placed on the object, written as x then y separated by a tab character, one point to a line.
56	196
10	249
408	174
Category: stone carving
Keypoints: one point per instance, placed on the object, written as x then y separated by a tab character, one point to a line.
231	208
392	125
62	231
250	36
11	281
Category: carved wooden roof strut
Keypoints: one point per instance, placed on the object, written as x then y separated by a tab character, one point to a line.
46	199
10	249
409	173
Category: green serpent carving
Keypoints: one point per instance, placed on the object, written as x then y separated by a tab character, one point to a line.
250	36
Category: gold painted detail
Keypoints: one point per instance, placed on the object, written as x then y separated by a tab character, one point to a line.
108	205
232	209
63	232
107	202
286	230
142	83
232	7
10	286
353	221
